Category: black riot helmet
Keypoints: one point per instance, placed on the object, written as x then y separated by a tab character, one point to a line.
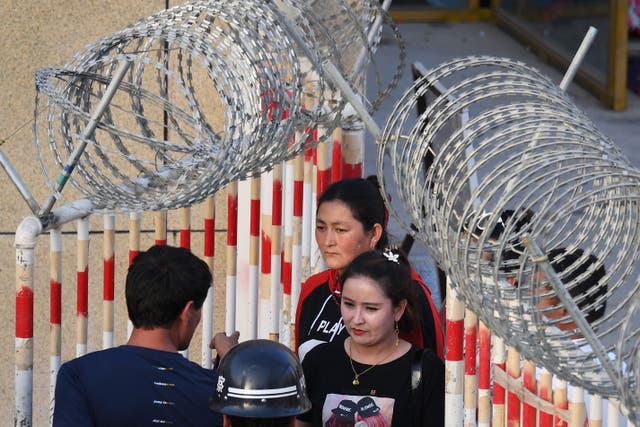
260	379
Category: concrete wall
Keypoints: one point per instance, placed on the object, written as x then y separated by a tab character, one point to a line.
37	34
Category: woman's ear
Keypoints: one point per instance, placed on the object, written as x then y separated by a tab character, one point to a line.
376	234
399	310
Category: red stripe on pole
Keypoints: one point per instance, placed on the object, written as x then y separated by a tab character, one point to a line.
286	277
209	237
24	313
336	161
513	410
298	190
108	277
276	210
351	170
185	239
55	302
324	180
266	254
484	374
161	242
83	293
132	256
455	331
498	390
528	411
254	226
232	220
470	338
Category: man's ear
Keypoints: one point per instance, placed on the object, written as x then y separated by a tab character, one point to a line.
226	421
187	310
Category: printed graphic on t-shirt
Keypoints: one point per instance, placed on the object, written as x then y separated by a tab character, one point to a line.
341	410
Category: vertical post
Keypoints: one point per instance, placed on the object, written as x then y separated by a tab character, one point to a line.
470	362
82	295
454	363
108	279
266	316
545	392
254	249
560	401
595	411
160	222
613	414
276	293
307	213
499	362
352	152
484	377
25	242
296	246
185	227
209	258
513	401
55	312
134	248
577	409
529	383
336	156
287	256
232	256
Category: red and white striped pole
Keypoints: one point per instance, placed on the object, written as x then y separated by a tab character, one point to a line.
560	401
499	362
307	213
185	227
209	258
529	383
82	295
276	293
454	362
287	249
25	242
108	279
254	253
545	392
160	228
134	248
352	153
296	245
232	256
55	312
336	156
484	377
513	401
265	315
470	362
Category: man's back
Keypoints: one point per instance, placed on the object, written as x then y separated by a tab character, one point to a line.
134	386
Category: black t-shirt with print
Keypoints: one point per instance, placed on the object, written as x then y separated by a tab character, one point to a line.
383	392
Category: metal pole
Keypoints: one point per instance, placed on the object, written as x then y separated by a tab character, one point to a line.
20	185
333	74
86	134
577	58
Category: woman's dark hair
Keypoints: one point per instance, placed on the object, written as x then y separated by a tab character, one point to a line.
389	269
161	281
363	197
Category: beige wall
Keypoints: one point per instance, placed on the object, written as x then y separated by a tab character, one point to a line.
36	34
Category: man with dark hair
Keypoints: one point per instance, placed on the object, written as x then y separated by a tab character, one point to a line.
260	384
147	381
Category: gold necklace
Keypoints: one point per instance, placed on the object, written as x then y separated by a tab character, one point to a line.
356	374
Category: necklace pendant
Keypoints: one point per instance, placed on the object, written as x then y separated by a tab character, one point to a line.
355	381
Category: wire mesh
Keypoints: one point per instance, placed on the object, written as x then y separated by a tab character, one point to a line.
500	154
217	92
